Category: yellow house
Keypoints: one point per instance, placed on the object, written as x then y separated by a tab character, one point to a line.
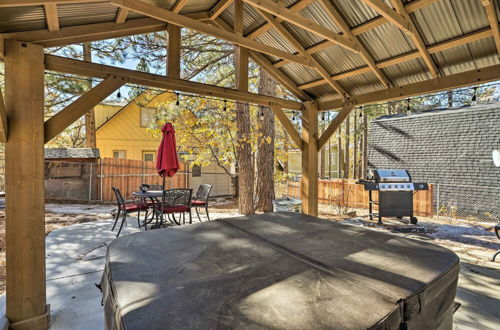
122	129
122	132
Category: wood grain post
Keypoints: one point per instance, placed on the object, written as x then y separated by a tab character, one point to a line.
309	183
174	51
24	169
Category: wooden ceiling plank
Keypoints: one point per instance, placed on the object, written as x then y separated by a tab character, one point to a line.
291	17
176	19
51	17
489	7
29	3
89	69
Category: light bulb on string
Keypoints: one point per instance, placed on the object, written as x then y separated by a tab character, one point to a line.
474	95
119	95
261	115
177	102
323	116
225	106
293	116
361	112
408	110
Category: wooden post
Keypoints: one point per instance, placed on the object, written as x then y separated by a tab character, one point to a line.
90	134
24	169
174	51
309	183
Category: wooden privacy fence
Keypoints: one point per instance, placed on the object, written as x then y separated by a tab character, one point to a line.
128	175
345	192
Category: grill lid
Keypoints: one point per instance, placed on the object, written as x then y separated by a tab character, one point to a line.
390	176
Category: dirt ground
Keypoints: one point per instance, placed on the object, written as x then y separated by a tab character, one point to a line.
475	239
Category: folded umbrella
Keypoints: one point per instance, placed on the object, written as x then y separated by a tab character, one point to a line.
167	162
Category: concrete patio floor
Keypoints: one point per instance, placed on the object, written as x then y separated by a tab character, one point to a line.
75	260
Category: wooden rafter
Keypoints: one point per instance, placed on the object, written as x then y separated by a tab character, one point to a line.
121	15
61	120
334	125
66	65
3	120
262	61
218	8
335	15
492	17
28	3
403	21
468	38
176	19
437	84
178	5
296	7
296	44
51	17
287	125
284	13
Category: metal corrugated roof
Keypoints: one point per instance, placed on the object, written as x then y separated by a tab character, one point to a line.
439	21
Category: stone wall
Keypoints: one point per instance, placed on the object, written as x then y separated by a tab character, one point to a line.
449	147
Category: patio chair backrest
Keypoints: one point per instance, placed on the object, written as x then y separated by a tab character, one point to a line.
203	192
119	197
177	197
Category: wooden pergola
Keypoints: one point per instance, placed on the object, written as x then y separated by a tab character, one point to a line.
332	55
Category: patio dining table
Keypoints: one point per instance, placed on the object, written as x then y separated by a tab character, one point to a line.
153	196
279	271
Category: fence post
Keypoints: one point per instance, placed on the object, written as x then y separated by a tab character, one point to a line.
90	183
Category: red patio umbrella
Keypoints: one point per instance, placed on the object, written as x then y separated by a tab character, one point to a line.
167	162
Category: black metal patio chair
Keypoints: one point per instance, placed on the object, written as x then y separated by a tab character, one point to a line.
175	201
125	208
201	199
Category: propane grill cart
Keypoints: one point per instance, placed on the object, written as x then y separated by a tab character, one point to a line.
395	193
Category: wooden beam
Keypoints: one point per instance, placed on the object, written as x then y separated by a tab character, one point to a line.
403	21
174	51
304	23
455	42
298	46
169	17
492	17
61	120
389	14
478	76
51	17
121	16
29	3
218	8
66	65
24	187
4	133
337	18
296	7
309	180
178	5
287	125
90	32
334	125
263	62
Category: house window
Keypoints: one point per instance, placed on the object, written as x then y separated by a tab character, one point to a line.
196	170
121	154
147	116
148	156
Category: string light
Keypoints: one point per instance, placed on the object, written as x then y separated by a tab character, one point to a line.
323	116
361	112
262	115
119	95
225	106
177	102
408	110
293	116
474	96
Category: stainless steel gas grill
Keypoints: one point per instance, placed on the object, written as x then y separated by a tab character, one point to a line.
395	193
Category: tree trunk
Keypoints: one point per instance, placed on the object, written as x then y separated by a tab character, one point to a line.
346	148
90	138
265	157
